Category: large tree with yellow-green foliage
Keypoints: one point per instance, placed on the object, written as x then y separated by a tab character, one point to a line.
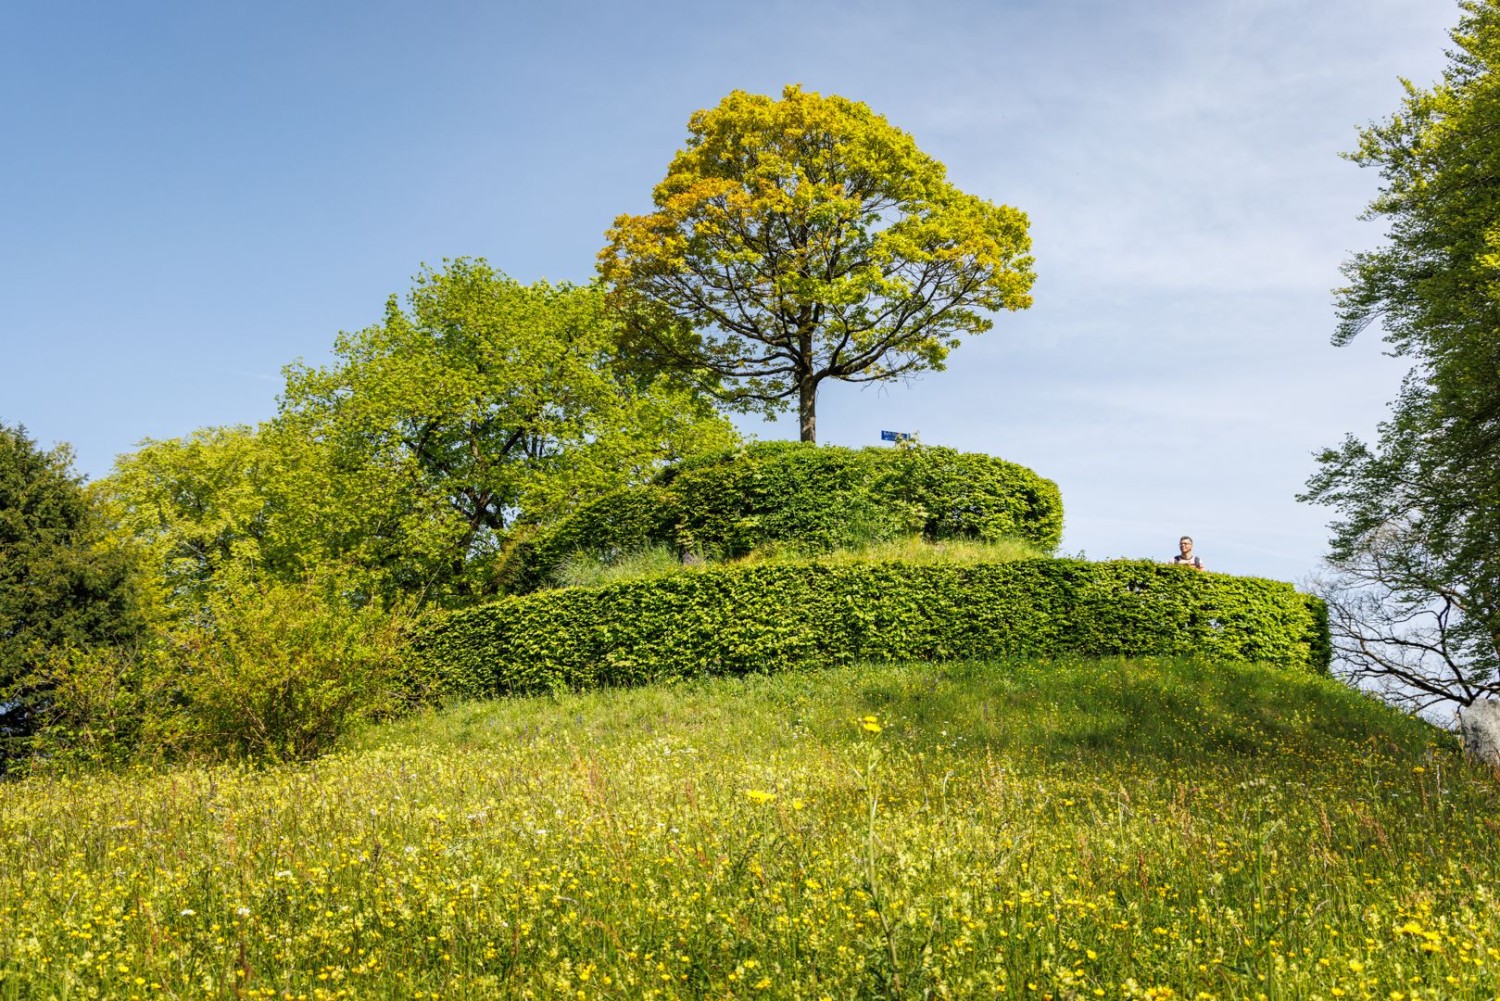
805	239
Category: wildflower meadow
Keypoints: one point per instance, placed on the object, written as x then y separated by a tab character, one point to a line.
1048	830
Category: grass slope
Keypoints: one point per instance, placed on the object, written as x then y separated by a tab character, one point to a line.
1055	830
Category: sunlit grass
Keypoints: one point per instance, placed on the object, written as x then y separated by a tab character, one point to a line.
920	550
584	570
1052	830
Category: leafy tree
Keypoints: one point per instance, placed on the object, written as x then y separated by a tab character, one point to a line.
433	439
59	586
496	404
808	239
1415	557
190	505
276	501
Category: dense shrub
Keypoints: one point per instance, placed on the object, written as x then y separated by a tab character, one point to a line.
802	497
283	670
268	671
951	495
776	617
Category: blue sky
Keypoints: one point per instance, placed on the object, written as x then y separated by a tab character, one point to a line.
197	194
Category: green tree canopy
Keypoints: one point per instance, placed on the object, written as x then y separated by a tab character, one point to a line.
1415	595
59	586
481	405
807	239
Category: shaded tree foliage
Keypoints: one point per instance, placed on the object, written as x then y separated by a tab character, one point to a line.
59	586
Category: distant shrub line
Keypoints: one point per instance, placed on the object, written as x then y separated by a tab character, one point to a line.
800	497
767	618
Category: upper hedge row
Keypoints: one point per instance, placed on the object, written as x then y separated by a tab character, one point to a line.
804	497
773	617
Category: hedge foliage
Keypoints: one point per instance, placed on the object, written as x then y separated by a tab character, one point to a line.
774	617
801	497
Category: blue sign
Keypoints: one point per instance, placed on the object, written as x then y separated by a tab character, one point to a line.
894	436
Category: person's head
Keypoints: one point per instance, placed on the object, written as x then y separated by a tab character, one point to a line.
1185	544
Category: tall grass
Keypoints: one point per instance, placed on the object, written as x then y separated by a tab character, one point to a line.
585	570
1055	830
917	549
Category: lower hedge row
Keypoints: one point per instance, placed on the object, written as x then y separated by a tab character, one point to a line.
777	617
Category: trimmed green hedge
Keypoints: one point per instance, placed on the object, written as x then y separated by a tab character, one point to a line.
802	497
775	617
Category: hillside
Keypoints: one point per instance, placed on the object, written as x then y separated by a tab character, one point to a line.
1050	830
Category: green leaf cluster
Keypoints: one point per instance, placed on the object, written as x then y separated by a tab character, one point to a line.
803	498
774	617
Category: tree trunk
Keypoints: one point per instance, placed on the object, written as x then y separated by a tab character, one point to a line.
807	384
807	408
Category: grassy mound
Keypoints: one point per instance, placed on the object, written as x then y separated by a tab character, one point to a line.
1066	829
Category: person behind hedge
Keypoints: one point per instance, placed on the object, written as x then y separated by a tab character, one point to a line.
1185	555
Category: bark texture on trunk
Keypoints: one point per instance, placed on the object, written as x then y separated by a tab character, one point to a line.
807	385
807	409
